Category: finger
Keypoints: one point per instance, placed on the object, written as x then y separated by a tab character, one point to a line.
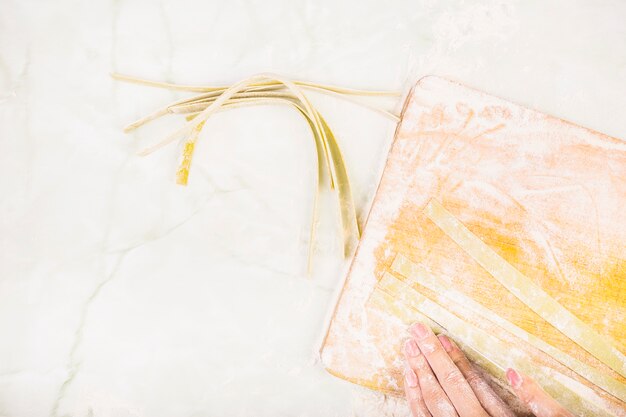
414	394
490	401
531	394
451	379
434	396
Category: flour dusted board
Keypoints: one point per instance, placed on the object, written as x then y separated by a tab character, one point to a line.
546	195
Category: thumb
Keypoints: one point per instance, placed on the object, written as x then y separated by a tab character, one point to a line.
533	396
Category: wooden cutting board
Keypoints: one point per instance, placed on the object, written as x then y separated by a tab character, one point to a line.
548	196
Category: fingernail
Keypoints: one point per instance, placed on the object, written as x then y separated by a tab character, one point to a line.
514	378
420	330
411	348
410	377
445	342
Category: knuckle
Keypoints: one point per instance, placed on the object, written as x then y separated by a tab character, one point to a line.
453	377
473	377
434	394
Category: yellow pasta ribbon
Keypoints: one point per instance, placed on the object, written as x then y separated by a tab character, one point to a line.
527	291
182	175
263	89
500	354
445	294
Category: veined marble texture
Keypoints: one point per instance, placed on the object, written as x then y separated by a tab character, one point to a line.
124	294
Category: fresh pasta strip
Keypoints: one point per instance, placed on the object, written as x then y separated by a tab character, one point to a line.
499	353
445	294
263	89
526	291
182	175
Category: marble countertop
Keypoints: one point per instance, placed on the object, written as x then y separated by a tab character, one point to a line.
124	294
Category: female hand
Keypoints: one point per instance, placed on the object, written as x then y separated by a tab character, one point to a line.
441	382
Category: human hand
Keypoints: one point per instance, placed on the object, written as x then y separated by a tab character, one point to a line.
441	382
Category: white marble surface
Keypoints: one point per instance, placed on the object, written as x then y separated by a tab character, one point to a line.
123	294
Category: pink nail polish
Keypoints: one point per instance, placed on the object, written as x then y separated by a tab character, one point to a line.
410	377
445	342
419	330
411	348
514	378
